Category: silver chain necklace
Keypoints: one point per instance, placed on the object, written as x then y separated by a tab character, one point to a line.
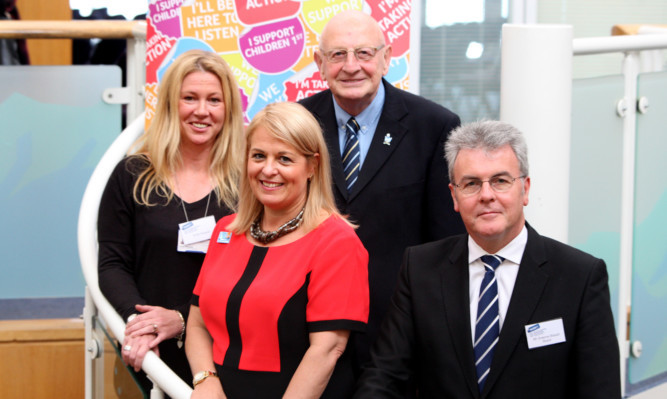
208	201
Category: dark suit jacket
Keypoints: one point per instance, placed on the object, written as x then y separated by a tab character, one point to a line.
426	334
401	197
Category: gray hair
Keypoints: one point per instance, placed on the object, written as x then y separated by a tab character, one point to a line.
489	136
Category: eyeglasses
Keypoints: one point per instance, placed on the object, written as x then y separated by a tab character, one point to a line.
499	184
360	53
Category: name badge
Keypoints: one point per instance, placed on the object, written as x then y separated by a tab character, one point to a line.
545	333
224	237
194	236
196	230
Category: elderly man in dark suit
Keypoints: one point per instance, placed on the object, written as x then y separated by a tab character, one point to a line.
387	157
501	312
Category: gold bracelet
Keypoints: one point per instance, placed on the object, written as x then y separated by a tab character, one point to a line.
179	338
201	376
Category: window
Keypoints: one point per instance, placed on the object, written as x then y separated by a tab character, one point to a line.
460	55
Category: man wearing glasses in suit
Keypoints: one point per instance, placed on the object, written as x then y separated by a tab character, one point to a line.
500	312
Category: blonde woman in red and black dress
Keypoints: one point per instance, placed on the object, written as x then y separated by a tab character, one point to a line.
285	280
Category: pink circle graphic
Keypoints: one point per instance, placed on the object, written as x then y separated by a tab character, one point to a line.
274	47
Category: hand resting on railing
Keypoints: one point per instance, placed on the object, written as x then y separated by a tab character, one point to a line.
135	349
144	332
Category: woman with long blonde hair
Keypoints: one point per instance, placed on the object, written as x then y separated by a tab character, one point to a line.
162	202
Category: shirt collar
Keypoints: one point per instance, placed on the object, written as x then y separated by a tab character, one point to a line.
512	252
369	116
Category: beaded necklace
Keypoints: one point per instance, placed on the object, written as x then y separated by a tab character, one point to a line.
266	237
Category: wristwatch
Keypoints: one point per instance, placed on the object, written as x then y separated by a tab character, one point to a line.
202	375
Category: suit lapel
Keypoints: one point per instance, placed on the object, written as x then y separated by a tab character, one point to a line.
526	295
455	294
393	111
327	117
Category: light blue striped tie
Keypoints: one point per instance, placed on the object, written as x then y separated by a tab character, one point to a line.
487	326
351	161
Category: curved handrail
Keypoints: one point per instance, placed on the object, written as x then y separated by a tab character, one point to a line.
87	241
73	29
612	44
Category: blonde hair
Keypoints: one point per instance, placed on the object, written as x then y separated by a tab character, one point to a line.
160	145
292	124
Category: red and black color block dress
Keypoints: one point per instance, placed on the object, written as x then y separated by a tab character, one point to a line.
260	303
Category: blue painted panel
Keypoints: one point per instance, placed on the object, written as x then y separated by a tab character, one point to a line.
54	129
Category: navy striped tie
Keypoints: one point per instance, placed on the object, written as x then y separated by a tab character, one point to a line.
487	326
351	154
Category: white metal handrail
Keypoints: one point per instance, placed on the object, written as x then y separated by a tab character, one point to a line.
615	44
159	372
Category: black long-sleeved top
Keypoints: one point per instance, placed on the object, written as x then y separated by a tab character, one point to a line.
138	260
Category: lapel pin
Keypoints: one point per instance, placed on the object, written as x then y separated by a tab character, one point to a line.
387	139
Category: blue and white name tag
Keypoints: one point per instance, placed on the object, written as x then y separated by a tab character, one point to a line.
224	237
197	230
545	333
194	236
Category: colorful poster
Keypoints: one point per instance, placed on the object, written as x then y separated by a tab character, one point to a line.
268	44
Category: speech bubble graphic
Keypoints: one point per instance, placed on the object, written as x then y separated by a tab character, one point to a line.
275	47
270	89
316	13
166	16
254	12
398	69
246	76
157	48
310	45
298	89
213	22
183	45
394	19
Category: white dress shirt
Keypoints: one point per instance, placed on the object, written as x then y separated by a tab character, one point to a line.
505	274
